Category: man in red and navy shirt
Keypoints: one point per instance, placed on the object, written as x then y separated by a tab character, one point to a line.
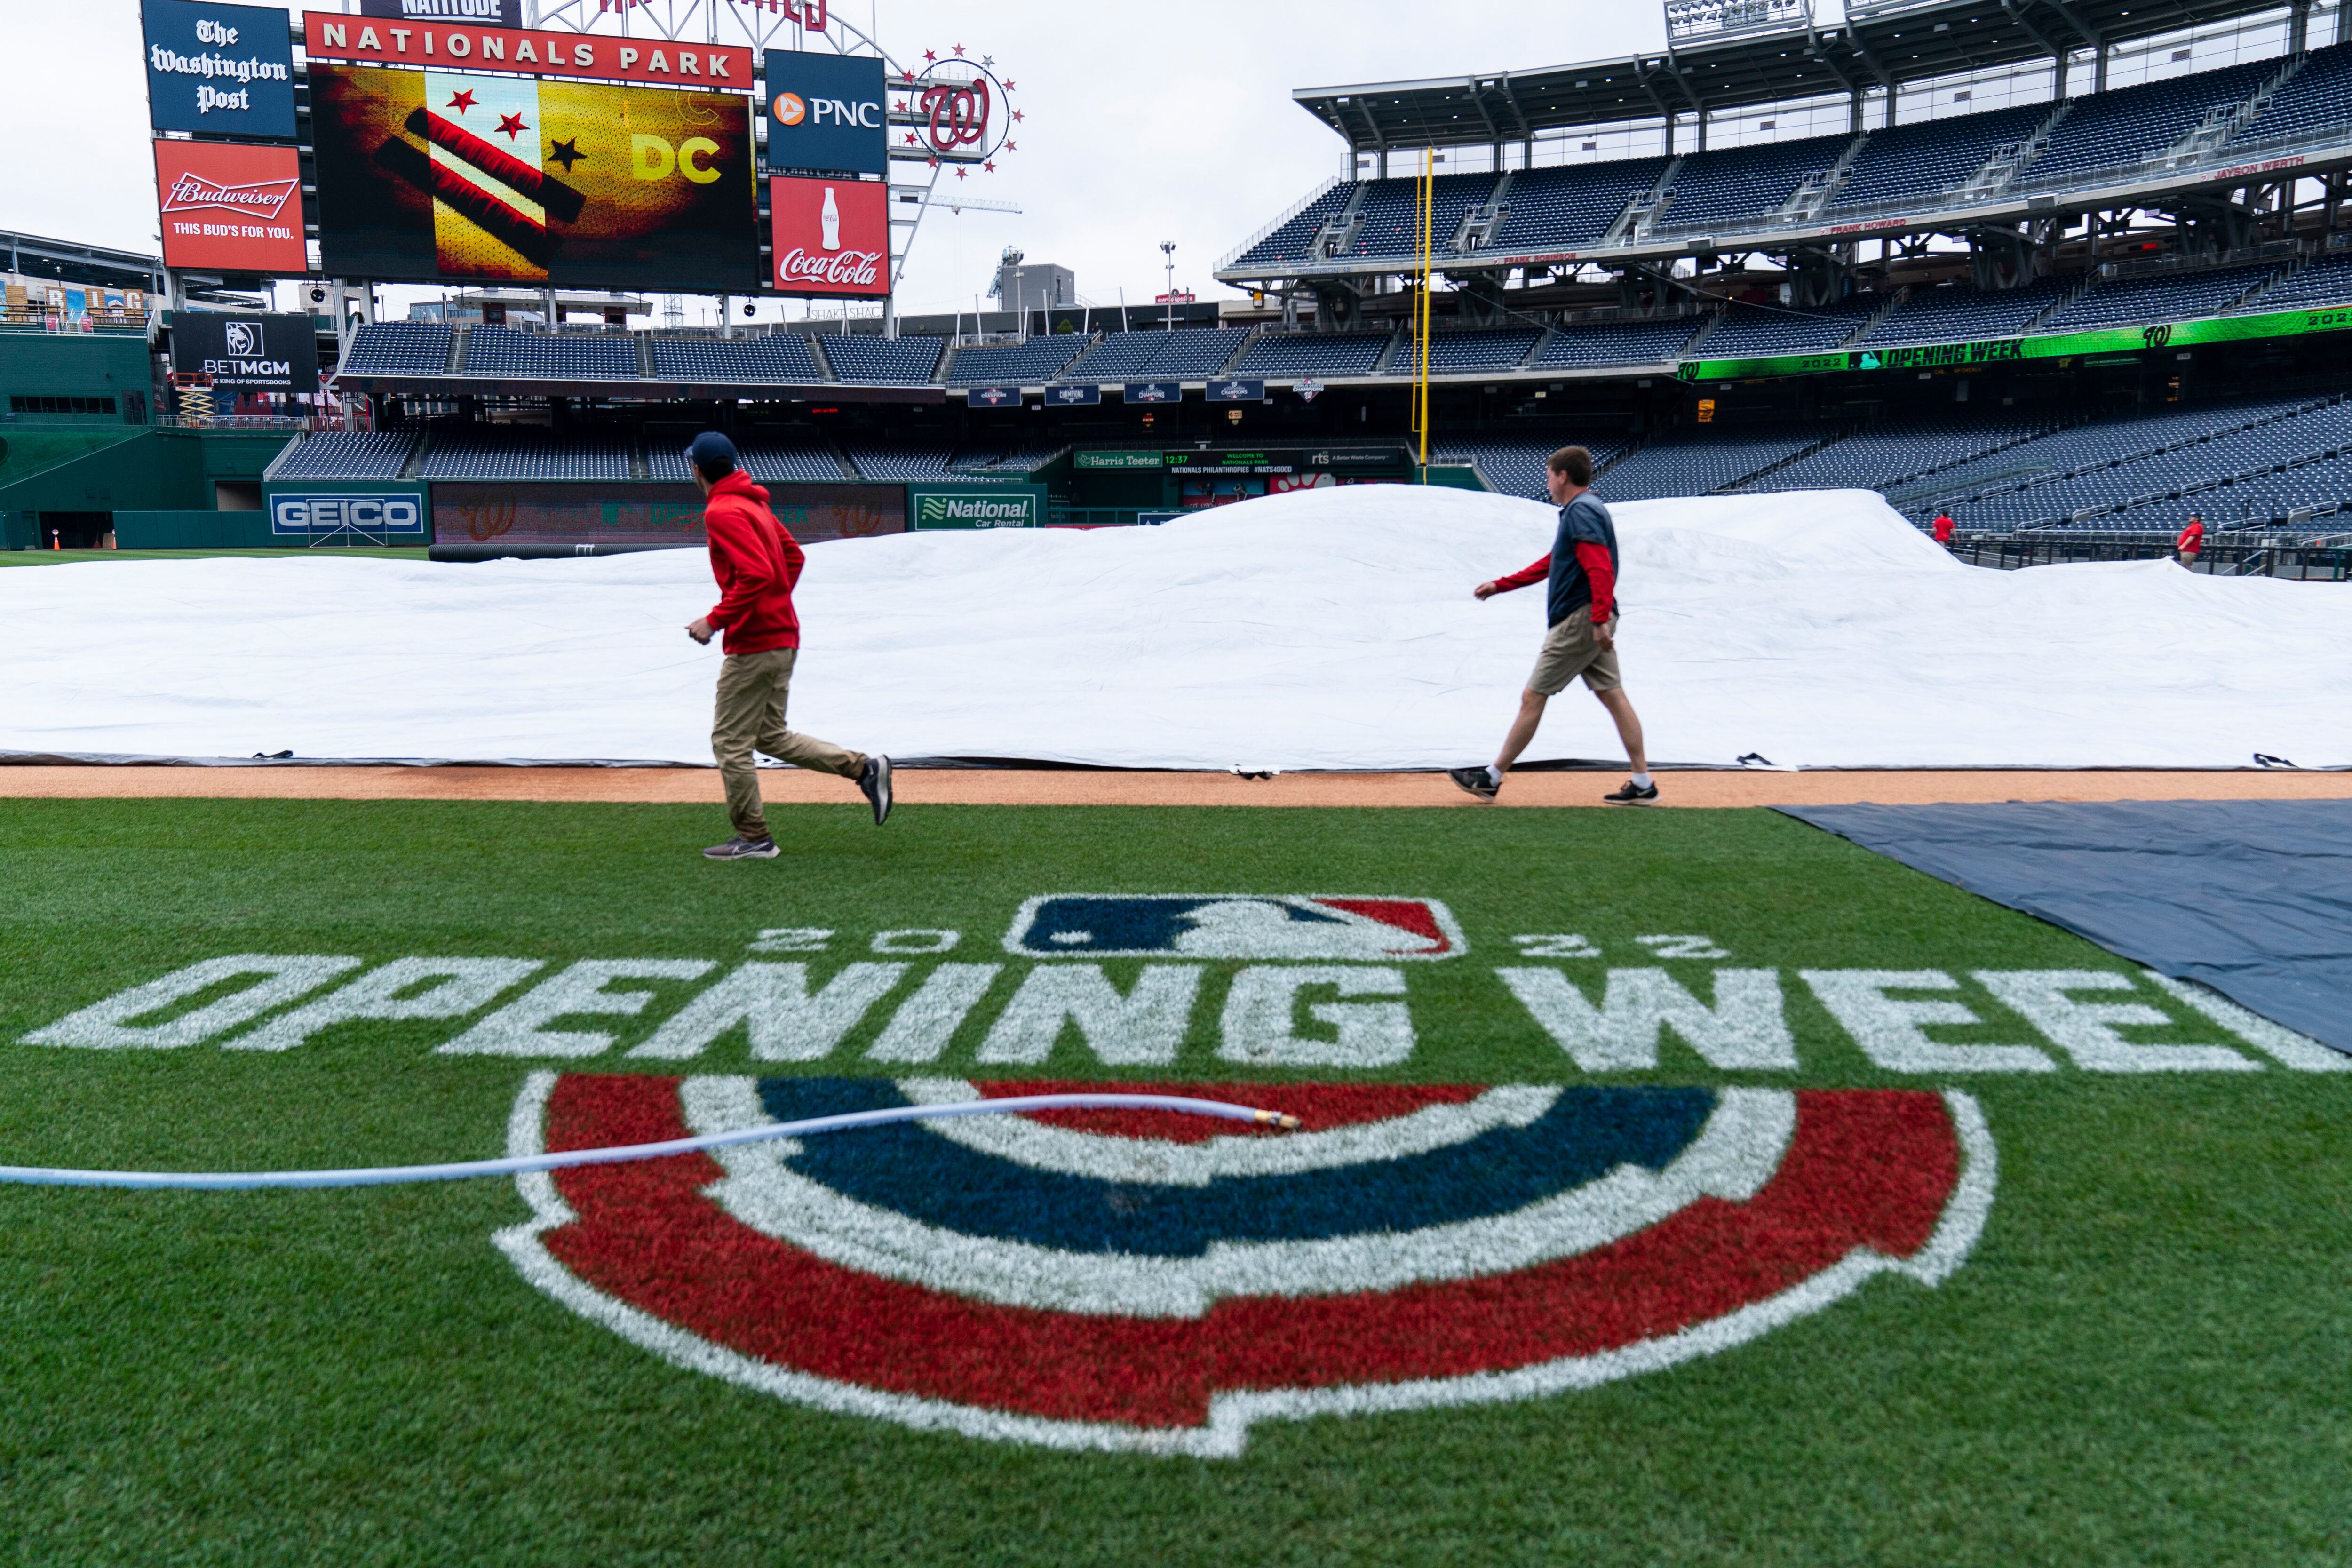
1581	574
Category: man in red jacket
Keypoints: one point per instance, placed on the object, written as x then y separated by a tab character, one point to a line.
2191	542
1944	528
757	563
1581	574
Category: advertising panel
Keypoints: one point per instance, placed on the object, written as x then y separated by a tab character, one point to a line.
825	114
522	52
246	352
310	509
2136	338
230	208
226	70
572	515
832	237
970	506
430	175
488	13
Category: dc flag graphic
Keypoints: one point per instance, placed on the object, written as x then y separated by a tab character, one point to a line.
1143	1282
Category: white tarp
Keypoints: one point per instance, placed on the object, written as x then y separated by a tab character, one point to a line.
1329	628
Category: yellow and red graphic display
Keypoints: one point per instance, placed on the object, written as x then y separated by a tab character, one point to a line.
434	174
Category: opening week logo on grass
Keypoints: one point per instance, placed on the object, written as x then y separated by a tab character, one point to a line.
1148	1282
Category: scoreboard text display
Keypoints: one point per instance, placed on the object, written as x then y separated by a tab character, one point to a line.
434	174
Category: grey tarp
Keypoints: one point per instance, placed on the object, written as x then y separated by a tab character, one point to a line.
2252	897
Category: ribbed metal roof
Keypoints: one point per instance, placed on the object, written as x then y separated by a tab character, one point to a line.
1892	43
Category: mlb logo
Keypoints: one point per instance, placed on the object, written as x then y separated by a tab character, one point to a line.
1233	925
242	339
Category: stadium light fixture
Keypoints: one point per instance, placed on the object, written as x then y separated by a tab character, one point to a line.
1168	250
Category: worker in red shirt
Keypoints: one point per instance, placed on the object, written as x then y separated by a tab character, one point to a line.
757	564
2191	542
1580	578
1944	528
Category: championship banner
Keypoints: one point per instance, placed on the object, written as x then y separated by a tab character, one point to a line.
225	71
428	175
650	62
230	208
246	351
832	237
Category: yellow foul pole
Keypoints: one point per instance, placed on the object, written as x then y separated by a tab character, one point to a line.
1427	212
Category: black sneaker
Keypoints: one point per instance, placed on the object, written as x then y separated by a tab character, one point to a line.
874	783
743	849
1632	794
1477	780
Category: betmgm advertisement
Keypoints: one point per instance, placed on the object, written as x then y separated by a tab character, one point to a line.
426	176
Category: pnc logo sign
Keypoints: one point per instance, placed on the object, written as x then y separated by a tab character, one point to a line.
790	109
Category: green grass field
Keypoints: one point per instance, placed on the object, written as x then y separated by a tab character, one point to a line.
2142	1361
66	557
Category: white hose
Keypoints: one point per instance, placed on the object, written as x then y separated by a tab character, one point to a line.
382	1175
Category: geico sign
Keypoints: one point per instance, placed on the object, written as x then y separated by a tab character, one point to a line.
366	513
792	109
800	265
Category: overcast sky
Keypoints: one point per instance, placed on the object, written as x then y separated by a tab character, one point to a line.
1141	122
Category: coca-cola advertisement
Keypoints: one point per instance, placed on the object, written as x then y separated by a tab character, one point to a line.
228	208
832	237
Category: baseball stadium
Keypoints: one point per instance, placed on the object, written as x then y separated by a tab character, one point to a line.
1864	1080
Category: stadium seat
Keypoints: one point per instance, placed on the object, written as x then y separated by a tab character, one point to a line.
1697	462
1293	239
1755	329
781	357
1932	155
1653	342
2316	97
346	455
872	360
1389	224
2125	126
1311	353
504	351
2327	281
399	348
1514	464
2170	297
1957	313
1888	455
1745	182
900	461
1184	355
1454	354
1015	365
1570	206
495	452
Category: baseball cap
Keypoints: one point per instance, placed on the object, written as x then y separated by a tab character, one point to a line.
712	453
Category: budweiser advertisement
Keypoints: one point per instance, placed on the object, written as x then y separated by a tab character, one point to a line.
832	237
228	208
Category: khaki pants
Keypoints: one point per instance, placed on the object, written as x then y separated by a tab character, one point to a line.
1570	649
750	717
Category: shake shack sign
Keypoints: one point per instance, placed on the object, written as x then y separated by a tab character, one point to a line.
1008	506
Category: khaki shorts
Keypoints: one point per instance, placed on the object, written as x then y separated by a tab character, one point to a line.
1569	650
